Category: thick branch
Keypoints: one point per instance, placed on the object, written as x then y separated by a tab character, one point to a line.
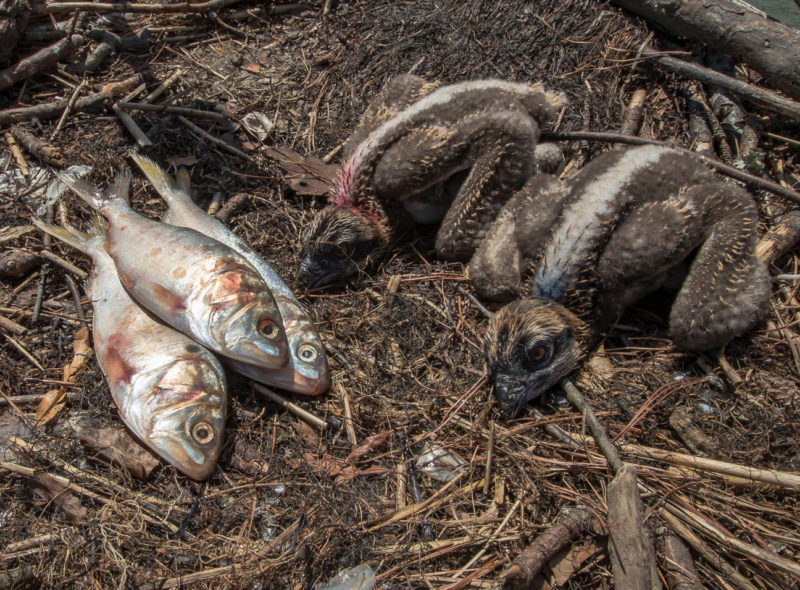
767	46
754	94
41	60
53	110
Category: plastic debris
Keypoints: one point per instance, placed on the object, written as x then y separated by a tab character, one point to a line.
258	124
439	463
360	577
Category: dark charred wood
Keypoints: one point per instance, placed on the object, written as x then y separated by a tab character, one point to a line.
13	20
41	60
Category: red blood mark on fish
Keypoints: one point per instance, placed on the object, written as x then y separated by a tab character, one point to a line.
155	252
117	370
179	273
167	299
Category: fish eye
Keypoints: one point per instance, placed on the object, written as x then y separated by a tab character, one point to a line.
269	329
307	353
202	433
538	353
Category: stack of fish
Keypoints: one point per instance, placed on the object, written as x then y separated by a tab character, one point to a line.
167	295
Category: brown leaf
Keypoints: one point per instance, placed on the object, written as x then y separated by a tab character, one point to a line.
247	459
253	68
51	404
54	399
307	433
371	442
51	490
117	446
306	175
330	466
189	160
568	561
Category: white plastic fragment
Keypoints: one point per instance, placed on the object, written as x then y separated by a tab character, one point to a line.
258	124
360	577
38	189
439	463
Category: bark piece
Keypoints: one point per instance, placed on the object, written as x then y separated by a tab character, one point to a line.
524	569
13	20
305	175
629	548
677	562
52	490
782	236
767	46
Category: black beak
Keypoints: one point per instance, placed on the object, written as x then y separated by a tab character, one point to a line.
313	275
512	394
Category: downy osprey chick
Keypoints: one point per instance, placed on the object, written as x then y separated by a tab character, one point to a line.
628	223
412	139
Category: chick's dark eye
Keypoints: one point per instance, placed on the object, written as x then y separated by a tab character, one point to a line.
538	353
339	252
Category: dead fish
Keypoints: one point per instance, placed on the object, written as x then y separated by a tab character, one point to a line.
307	370
194	283
169	390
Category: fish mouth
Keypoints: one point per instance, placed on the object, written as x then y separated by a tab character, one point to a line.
259	352
193	462
292	380
287	378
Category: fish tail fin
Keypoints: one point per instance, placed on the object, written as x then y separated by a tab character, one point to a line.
96	198
183	181
85	241
165	186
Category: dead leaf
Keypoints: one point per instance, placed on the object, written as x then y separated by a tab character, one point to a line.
117	446
189	160
372	442
568	561
253	68
55	399
306	175
247	459
51	490
307	433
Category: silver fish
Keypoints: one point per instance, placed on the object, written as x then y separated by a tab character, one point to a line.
307	370
194	283
169	391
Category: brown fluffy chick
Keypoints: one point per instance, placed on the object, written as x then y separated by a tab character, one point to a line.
396	172
628	223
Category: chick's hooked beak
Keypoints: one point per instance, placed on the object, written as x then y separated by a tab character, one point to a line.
513	392
318	271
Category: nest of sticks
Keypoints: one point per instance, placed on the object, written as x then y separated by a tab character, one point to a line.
296	498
